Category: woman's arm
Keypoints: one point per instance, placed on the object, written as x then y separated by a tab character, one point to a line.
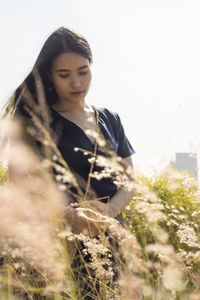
91	223
121	198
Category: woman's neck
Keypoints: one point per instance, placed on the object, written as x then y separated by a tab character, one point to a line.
63	106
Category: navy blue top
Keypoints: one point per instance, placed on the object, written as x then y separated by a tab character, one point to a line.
72	136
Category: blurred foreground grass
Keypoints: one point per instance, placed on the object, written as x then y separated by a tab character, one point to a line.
163	216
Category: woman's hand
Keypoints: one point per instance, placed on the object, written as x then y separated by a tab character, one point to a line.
87	221
104	209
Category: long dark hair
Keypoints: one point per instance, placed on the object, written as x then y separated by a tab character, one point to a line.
61	40
30	103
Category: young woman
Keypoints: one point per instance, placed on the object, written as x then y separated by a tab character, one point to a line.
90	142
64	66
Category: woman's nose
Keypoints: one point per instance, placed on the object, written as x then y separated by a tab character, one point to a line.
75	82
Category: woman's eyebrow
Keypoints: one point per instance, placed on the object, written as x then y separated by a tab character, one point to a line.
67	70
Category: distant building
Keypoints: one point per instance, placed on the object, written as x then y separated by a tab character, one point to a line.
187	162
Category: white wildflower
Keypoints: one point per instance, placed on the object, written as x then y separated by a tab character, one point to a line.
187	236
62	187
172	278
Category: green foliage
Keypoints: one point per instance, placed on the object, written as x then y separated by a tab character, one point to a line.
165	212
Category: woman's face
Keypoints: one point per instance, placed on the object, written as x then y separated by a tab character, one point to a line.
71	76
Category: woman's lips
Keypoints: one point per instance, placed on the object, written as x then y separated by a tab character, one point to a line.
76	93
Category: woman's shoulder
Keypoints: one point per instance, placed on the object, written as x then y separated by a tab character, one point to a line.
108	113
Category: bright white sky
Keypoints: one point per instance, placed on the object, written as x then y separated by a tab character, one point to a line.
146	64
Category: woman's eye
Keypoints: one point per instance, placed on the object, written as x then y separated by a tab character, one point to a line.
83	73
64	76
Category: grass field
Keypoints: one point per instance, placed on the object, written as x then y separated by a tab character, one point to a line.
154	255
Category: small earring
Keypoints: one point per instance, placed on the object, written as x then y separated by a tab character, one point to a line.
50	89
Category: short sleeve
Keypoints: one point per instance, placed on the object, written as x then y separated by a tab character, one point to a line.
124	147
112	129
